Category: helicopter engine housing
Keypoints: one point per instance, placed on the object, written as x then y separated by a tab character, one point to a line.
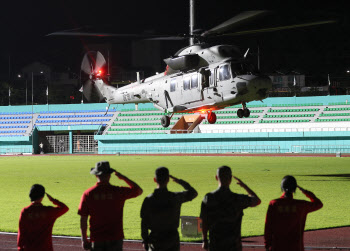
181	63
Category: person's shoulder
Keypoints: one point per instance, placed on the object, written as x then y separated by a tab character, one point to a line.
214	192
274	201
47	208
118	188
210	194
238	195
89	190
282	201
25	209
150	196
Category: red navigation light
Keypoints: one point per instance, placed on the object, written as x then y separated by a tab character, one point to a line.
99	72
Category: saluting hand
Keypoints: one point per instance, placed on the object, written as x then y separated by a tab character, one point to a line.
239	182
49	197
302	189
174	179
119	175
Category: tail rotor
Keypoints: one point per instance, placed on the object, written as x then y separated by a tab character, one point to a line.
93	68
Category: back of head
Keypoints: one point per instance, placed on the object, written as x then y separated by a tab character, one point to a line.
224	174
162	175
289	184
37	191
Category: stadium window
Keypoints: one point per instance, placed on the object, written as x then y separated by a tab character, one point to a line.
187	81
224	73
173	85
194	81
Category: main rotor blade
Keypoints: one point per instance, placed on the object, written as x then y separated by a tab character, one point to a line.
100	61
271	29
237	20
171	38
97	34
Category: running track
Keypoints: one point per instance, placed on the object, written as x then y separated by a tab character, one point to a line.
319	240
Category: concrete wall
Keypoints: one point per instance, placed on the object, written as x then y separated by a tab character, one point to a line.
263	142
11	145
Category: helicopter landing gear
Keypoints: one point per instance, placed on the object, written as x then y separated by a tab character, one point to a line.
211	117
245	112
165	121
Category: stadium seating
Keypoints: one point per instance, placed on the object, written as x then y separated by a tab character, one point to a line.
27	120
147	120
130	121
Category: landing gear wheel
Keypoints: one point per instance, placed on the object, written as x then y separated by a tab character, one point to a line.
246	113
211	117
165	121
240	113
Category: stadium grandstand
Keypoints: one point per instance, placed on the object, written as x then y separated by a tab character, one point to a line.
277	125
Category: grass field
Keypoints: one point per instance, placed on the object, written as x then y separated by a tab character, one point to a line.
66	178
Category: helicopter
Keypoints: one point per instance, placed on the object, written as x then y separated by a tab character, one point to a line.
198	78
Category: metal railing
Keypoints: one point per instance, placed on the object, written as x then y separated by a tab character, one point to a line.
162	149
16	149
234	130
321	148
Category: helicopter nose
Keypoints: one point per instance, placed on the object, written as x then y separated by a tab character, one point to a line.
260	85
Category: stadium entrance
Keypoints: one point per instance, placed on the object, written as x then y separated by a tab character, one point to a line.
81	144
58	144
84	144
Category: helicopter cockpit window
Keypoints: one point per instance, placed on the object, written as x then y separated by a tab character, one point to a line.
224	73
173	85
242	69
187	81
194	81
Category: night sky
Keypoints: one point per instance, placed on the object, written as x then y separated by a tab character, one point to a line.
309	50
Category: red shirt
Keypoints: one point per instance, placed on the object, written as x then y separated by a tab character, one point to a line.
35	226
285	222
104	203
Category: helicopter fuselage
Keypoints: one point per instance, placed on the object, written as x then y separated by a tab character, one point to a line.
211	78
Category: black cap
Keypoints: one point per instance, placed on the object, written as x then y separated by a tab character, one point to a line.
102	167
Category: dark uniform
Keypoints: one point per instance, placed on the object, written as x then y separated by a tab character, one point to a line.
160	214
223	211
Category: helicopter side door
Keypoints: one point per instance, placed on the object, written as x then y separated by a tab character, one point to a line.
191	88
171	94
222	81
196	86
